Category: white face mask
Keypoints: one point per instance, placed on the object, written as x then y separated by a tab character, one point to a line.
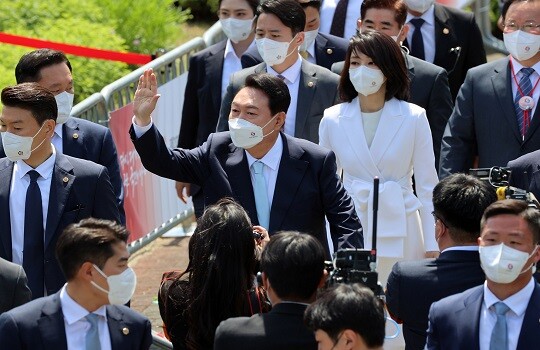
19	147
121	286
366	81
395	37
521	45
309	38
503	264
64	101
273	52
419	5
237	29
245	134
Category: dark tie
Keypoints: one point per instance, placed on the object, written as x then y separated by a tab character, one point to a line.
417	42
499	335
524	89
338	21
33	254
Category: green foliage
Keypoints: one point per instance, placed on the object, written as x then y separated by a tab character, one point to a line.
200	9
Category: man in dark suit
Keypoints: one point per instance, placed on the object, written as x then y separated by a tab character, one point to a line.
88	312
14	289
526	173
42	191
312	88
292	266
504	312
318	48
448	37
284	183
488	121
459	201
74	137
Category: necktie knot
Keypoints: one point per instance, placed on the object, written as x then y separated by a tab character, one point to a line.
417	22
258	167
527	71
92	319
34	175
281	77
501	308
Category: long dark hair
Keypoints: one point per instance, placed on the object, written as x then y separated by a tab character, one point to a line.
220	271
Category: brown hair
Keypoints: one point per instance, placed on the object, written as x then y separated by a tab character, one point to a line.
31	97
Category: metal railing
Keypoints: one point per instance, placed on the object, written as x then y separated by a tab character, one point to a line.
481	11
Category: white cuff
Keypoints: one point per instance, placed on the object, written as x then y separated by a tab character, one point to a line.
141	130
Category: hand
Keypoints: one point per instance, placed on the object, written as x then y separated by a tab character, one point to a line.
432	254
265	237
180	186
146	98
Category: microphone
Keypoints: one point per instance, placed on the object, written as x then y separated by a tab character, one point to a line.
457	51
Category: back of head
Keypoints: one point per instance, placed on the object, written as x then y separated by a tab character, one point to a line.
31	97
460	200
289	12
294	264
398	6
274	88
515	207
348	306
90	240
30	65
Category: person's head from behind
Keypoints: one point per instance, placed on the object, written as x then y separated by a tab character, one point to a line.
386	16
279	32
94	257
374	64
258	112
459	201
52	70
347	316
292	266
236	18
28	120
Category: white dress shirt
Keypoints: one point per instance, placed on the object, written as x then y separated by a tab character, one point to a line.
231	64
514	317
17	200
57	138
292	79
353	14
428	32
76	325
533	77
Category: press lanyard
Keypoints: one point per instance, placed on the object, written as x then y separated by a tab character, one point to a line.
526	103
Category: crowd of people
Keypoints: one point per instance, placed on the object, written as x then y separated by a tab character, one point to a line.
285	124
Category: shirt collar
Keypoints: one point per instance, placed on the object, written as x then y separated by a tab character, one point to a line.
517	66
58	130
469	248
311	49
517	302
272	158
45	169
292	73
74	312
428	16
229	49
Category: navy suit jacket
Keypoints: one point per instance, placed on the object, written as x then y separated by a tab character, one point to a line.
79	189
307	187
454	321
87	140
14	289
329	49
413	285
39	325
526	173
282	328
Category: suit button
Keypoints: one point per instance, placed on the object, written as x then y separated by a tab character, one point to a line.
75	136
329	51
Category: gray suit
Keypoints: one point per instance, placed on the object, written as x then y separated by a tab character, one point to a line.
317	91
14	289
484	123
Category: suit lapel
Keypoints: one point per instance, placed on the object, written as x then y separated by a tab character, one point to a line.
306	93
410	67
321	56
51	324
6	172
214	71
389	124
442	36
290	174
118	329
61	182
469	330
73	139
530	329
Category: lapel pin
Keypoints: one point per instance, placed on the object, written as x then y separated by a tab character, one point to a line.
310	84
446	31
75	136
65	179
125	331
329	51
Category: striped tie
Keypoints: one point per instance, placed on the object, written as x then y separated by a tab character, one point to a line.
524	89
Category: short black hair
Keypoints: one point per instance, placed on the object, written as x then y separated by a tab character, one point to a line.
316	4
31	97
90	240
398	6
274	88
460	200
252	3
30	65
515	207
387	55
294	264
289	12
348	306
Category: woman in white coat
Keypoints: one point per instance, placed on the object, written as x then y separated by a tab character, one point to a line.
375	132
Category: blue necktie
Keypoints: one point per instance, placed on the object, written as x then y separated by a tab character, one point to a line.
92	335
417	41
499	335
33	250
260	191
526	90
337	27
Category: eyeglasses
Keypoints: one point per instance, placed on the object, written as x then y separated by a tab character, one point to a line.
436	217
527	27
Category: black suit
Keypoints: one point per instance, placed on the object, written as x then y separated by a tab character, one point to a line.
39	325
282	328
79	189
307	187
413	285
14	290
526	173
329	49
